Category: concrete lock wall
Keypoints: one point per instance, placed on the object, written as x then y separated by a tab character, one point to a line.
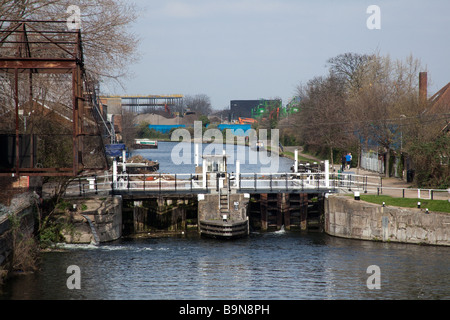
105	215
349	218
208	207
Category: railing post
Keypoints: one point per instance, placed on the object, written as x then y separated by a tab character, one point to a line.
327	173
217	181
79	184
175	182
95	182
381	184
270	182
255	180
112	187
287	180
238	174
145	179
160	182
205	175
128	182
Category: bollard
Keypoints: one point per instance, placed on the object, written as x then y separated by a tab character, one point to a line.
357	195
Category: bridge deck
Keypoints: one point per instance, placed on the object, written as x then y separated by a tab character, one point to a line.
151	184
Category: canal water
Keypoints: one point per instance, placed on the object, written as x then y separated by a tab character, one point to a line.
279	265
179	158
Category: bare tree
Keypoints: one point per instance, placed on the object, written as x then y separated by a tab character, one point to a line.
129	129
199	103
322	121
350	67
387	95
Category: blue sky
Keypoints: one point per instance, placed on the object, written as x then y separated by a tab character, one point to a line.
252	49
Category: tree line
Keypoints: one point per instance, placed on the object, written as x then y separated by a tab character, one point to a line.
372	102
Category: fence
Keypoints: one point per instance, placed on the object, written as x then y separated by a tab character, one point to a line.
245	182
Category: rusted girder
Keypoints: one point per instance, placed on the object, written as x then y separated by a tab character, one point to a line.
34	48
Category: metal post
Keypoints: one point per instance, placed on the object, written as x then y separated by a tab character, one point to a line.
144	181
124	160
255	180
204	174
79	184
296	161
238	174
16	102
95	181
349	182
381	184
175	182
327	173
196	155
270	182
114	179
287	187
217	181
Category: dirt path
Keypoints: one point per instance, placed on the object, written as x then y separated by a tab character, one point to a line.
300	152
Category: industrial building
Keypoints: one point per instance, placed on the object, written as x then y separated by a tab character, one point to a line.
250	108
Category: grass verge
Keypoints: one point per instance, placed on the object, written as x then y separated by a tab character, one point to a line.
432	205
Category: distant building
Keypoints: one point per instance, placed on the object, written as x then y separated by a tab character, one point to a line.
242	108
250	108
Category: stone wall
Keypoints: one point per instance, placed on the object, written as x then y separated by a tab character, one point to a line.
105	213
23	208
350	218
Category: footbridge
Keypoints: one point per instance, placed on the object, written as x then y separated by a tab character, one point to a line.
129	185
226	204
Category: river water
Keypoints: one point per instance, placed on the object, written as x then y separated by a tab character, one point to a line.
279	265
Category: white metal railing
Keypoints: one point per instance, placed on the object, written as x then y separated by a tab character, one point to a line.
244	182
